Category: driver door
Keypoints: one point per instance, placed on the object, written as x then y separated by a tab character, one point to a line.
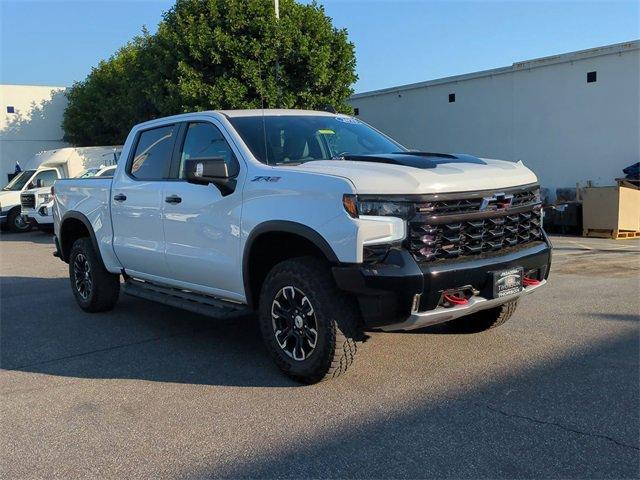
201	224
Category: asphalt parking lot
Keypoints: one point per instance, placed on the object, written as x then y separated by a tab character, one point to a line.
151	391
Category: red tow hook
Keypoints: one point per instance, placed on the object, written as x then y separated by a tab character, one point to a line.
455	300
529	282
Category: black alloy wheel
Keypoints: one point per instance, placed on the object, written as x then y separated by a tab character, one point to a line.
294	323
82	276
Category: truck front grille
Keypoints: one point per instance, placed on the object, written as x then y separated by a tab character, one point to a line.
28	200
474	224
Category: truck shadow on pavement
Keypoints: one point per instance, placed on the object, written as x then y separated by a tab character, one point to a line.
618	317
572	414
37	236
572	417
44	331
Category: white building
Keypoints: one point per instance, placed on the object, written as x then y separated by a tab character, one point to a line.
570	117
30	122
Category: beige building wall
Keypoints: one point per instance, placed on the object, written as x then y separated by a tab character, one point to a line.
33	126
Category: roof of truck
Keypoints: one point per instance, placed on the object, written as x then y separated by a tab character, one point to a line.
257	112
271	112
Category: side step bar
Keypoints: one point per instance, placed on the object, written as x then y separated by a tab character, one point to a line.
185	300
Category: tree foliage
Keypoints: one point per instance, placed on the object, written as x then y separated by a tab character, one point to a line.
215	54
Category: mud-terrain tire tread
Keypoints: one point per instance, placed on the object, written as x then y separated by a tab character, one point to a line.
484	319
313	276
106	286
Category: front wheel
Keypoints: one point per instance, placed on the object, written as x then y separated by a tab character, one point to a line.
484	319
95	289
16	222
309	327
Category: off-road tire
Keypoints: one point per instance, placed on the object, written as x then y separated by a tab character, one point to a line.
105	286
337	316
484	319
12	223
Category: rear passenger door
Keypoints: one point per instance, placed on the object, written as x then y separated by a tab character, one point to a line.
202	225
137	202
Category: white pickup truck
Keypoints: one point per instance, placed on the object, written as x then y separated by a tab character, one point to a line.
319	222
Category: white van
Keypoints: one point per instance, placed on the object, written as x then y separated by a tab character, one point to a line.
51	165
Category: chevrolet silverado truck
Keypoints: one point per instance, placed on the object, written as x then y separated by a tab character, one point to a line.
320	223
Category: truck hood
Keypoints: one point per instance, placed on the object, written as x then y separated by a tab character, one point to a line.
417	172
9	198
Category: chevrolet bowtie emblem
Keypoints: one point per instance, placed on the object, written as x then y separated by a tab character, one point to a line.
498	201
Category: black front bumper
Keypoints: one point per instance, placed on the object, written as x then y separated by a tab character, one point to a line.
387	291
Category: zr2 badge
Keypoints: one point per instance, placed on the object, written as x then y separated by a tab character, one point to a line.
265	179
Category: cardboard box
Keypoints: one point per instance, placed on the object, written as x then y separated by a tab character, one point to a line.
611	208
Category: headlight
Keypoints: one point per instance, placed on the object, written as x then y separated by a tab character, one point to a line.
379	235
44	197
356	207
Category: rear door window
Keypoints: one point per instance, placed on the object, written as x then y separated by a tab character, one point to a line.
153	153
107	172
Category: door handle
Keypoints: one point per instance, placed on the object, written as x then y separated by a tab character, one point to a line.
120	197
173	199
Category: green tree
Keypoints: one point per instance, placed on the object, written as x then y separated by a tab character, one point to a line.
103	107
215	54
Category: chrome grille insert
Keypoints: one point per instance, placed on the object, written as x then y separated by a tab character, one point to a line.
28	200
453	228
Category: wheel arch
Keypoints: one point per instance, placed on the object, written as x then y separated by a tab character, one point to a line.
75	225
259	256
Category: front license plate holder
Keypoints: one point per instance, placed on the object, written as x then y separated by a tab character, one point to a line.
507	282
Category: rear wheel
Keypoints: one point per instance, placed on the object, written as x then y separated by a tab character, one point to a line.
310	328
484	319
95	289
16	222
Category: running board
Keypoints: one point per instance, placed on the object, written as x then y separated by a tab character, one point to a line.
185	300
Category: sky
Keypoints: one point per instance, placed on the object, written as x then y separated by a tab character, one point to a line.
397	42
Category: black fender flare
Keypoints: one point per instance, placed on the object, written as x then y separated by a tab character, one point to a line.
284	226
92	235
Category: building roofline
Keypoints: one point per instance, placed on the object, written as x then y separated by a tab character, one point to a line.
26	85
616	48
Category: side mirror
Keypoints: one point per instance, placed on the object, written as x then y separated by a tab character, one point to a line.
203	171
39	183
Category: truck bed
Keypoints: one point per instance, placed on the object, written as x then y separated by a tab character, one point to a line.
91	197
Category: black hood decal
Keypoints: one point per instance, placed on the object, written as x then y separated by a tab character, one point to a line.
415	159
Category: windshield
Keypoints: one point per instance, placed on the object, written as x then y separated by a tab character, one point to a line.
295	139
19	181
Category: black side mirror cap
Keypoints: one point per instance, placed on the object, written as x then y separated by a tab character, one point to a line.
203	171
39	183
